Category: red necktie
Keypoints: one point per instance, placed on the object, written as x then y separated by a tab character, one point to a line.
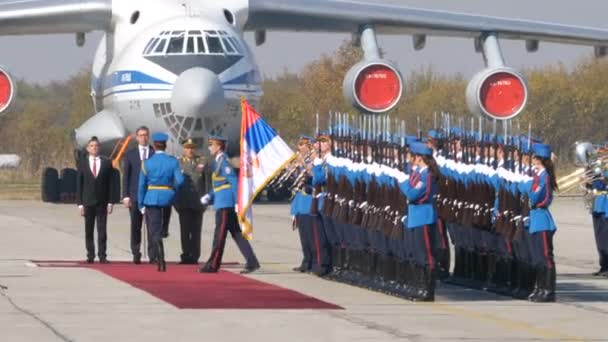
535	182
95	167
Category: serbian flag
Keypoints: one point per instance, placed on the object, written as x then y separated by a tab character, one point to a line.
263	155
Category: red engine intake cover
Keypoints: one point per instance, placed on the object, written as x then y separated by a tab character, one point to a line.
377	88
6	90
502	95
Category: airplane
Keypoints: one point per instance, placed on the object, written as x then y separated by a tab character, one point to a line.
182	66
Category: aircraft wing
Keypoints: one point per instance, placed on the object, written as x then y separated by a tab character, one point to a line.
19	17
348	15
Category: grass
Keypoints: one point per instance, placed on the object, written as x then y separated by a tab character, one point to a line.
14	185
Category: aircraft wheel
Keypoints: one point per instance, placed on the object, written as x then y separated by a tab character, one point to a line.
50	185
67	186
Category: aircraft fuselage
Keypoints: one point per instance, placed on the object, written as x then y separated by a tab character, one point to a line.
138	65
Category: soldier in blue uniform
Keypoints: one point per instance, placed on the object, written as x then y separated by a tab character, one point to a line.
600	223
420	190
321	256
223	196
159	178
300	205
542	226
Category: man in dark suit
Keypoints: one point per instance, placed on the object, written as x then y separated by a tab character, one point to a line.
93	194
130	176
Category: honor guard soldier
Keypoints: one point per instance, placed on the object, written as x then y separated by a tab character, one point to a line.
420	190
321	257
188	205
302	200
542	226
159	179
223	196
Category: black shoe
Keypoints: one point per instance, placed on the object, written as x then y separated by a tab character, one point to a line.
599	273
104	261
251	269
205	269
137	260
90	260
300	269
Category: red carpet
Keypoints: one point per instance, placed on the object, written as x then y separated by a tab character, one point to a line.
185	288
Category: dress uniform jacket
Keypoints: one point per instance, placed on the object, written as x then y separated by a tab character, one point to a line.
541	196
224	187
194	186
420	191
160	177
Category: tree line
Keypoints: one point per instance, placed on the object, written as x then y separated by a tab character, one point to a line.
564	106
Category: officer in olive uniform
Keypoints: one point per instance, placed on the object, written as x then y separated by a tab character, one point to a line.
159	178
223	197
188	205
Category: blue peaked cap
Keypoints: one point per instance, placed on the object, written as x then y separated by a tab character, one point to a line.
542	150
160	137
218	138
434	134
307	137
421	149
410	139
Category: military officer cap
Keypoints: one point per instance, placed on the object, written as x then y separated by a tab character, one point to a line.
217	139
160	137
189	143
410	139
542	150
434	134
306	138
323	136
421	149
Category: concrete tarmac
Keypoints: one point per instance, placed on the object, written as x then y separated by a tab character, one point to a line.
76	304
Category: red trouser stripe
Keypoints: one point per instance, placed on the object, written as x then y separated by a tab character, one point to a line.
444	244
314	231
219	240
546	250
509	249
427	244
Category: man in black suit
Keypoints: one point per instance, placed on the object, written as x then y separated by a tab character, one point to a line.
130	177
93	194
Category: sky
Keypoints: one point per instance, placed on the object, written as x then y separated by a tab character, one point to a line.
56	57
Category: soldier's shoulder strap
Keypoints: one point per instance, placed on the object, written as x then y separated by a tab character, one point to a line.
218	164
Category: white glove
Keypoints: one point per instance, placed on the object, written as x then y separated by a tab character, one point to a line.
205	199
143	210
236	208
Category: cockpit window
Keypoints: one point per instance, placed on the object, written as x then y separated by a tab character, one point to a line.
176	45
187	42
190	45
160	48
201	45
214	45
228	46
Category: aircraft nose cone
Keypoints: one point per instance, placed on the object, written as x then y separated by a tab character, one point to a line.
198	92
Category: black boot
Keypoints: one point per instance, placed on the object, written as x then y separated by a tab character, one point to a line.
603	265
548	287
426	285
162	266
538	285
490	282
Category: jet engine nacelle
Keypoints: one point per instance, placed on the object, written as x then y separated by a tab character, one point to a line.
7	90
373	86
500	93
